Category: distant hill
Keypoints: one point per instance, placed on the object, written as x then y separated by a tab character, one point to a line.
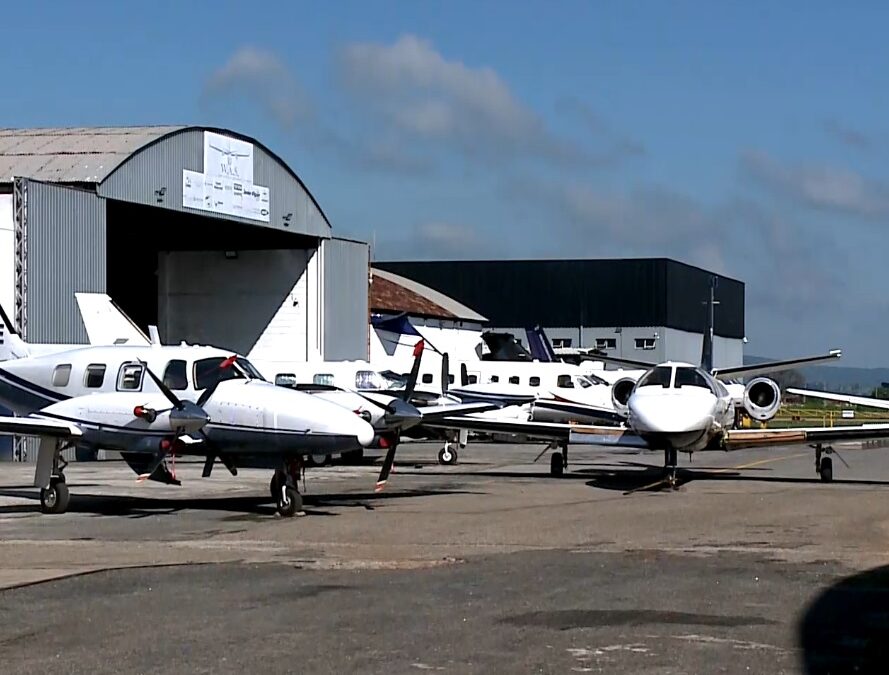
837	378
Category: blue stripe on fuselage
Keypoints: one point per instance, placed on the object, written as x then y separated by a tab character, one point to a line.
23	397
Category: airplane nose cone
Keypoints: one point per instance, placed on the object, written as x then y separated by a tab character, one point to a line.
671	415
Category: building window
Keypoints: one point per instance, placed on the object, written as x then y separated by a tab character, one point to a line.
514	379
645	343
94	376
175	376
534	381
427	378
561	343
61	375
129	378
606	343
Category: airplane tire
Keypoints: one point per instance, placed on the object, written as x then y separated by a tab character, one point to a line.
290	502
826	470
55	498
447	455
556	464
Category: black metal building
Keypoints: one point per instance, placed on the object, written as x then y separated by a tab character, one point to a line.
625	306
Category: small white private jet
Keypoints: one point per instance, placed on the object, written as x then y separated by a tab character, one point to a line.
679	407
205	402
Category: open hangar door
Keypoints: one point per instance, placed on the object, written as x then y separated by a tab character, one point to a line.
212	281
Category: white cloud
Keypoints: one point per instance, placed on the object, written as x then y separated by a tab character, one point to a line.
820	186
260	75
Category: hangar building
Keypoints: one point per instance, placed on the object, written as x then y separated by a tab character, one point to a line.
204	232
649	309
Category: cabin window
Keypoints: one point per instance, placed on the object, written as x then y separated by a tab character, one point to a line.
606	343
534	381
208	372
450	379
427	378
61	375
472	379
514	379
129	377
325	379
564	382
561	343
286	380
495	378
657	377
369	379
690	377
175	375
645	343
94	376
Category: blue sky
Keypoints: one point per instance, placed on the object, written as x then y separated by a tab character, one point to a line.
750	138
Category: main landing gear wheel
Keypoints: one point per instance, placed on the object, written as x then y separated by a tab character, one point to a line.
447	455
55	498
826	470
556	464
289	501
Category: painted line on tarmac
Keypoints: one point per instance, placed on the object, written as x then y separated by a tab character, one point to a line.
760	462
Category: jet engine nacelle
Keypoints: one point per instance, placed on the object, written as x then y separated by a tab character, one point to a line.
620	394
762	398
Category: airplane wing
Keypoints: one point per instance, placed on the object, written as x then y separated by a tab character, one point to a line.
842	398
490	425
437	412
38	426
106	323
774	366
736	439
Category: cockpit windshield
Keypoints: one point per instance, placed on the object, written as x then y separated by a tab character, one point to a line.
591	380
690	377
208	372
377	381
657	377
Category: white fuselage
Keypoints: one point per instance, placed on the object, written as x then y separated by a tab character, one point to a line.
679	405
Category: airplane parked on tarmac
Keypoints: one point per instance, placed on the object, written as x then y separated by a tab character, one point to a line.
206	402
679	407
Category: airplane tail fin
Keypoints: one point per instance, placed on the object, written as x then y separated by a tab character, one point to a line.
106	323
11	344
707	344
540	346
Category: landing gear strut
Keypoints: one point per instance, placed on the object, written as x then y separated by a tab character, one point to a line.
55	497
671	459
288	500
824	465
558	461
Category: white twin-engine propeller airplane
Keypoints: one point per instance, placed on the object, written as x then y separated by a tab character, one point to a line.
204	402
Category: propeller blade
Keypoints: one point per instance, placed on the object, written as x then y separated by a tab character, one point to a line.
388	463
165	390
415	372
445	373
388	408
206	394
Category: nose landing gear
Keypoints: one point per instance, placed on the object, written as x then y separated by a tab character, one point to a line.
824	465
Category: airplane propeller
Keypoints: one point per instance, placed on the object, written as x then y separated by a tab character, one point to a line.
389	459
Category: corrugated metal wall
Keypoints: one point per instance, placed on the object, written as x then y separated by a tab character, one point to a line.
153	176
66	253
345	273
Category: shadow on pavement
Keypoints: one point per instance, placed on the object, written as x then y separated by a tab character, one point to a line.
141	507
846	628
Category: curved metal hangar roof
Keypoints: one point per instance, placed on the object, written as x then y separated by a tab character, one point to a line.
151	164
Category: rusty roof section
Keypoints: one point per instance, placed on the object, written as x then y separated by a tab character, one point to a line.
72	155
395	294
